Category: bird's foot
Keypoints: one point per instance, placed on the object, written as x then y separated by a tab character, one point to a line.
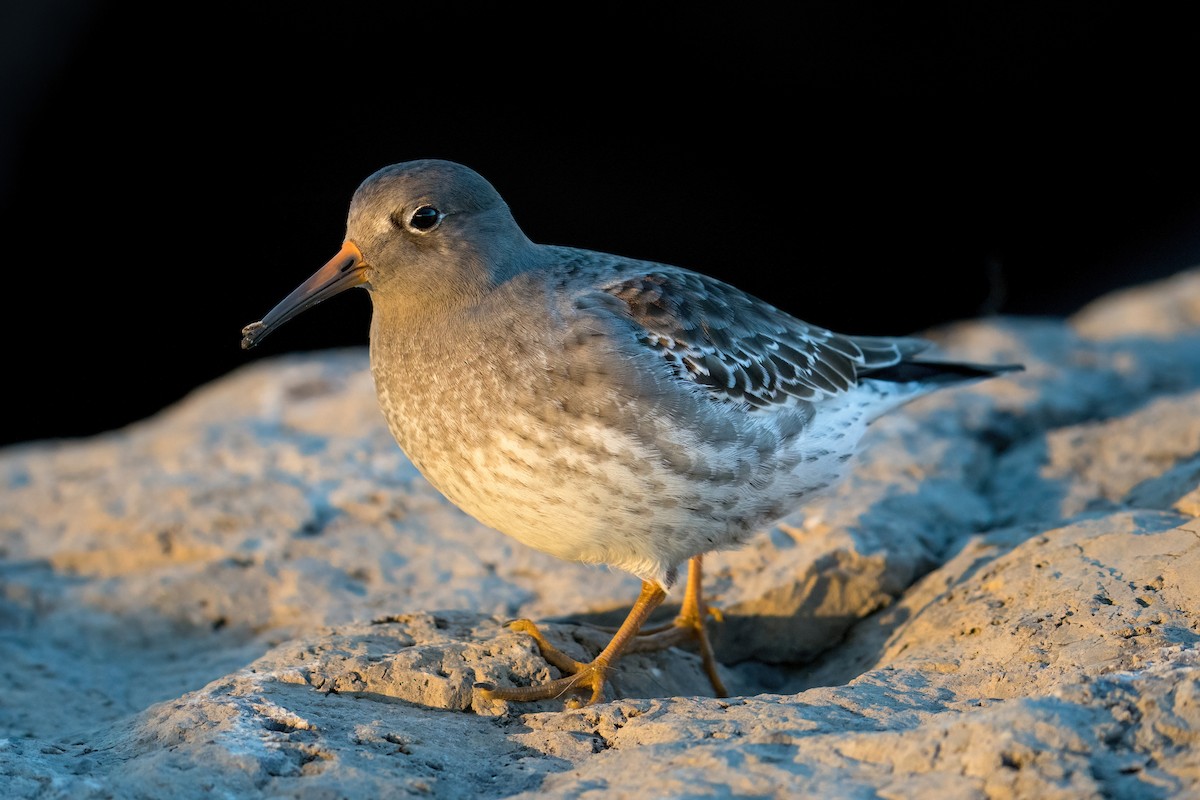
589	678
580	679
685	623
687	626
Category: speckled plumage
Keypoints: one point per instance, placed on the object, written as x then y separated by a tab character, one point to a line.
599	408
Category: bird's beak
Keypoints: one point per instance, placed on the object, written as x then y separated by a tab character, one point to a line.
342	272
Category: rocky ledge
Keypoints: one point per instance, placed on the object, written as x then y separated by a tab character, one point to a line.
254	594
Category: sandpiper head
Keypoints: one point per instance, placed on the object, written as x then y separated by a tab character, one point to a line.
427	233
430	228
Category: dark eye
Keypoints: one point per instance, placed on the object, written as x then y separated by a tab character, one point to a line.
425	218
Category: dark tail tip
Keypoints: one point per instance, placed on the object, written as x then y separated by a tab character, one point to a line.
939	372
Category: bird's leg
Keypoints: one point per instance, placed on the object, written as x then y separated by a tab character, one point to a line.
582	676
688	624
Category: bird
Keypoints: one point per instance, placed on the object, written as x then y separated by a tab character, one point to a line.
599	408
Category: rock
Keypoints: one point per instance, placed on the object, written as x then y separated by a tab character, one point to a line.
255	594
1147	458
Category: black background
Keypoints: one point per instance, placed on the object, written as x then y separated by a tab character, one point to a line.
168	176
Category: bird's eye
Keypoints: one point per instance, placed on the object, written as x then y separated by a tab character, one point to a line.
425	218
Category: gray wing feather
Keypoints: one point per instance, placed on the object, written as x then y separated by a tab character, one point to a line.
742	349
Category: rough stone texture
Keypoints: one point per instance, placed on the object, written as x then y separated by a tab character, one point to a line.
254	594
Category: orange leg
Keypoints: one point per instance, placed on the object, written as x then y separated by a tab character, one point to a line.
689	624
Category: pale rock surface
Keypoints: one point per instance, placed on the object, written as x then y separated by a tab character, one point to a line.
254	594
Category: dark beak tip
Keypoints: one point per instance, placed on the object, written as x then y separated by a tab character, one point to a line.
251	334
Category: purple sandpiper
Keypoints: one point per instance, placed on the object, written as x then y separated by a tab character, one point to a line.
599	408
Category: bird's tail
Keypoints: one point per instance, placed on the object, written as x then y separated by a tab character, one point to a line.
938	373
898	384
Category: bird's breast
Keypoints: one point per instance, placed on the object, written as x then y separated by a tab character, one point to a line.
525	442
